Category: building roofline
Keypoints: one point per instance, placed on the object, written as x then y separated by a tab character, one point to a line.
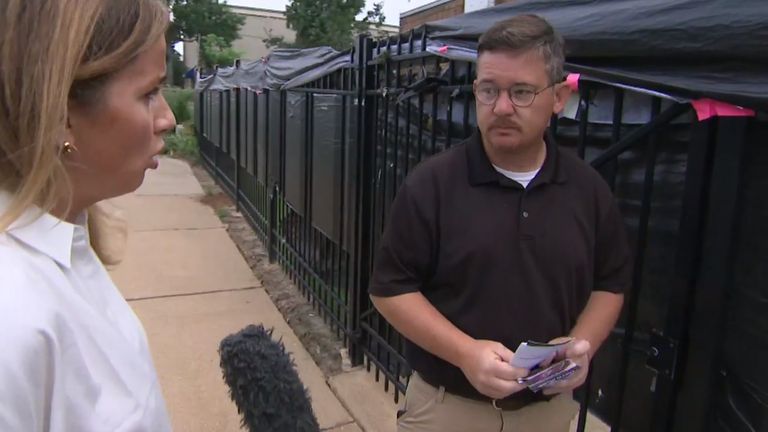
423	8
387	27
254	11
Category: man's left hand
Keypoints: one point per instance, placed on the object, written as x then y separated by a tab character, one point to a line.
578	352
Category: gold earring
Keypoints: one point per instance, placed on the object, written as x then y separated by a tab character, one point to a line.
68	148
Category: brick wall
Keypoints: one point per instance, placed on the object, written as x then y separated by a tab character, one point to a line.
445	10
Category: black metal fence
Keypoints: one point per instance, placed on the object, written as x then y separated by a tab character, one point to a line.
314	170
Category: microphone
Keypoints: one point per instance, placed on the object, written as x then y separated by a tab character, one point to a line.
264	384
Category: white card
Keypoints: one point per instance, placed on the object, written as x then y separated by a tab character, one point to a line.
531	354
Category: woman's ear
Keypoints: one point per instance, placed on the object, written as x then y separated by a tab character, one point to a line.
66	142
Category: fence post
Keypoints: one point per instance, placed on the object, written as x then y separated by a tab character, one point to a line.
238	125
220	134
359	293
272	223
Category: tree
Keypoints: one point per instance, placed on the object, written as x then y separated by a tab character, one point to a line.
272	41
193	19
374	16
215	50
328	22
177	70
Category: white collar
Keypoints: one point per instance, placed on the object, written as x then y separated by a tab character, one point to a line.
44	232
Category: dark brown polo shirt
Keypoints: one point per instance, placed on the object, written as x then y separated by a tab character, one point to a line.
499	261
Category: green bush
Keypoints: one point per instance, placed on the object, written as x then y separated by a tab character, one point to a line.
181	102
183	144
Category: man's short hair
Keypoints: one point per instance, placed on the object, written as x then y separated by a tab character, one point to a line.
524	33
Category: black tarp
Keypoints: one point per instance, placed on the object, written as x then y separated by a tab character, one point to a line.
291	68
296	151
251	75
693	48
283	69
741	395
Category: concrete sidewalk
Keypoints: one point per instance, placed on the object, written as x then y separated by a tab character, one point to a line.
191	287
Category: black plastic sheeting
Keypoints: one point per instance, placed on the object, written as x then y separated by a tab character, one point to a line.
328	122
295	151
686	48
291	68
327	155
680	29
741	399
251	75
262	111
283	69
695	48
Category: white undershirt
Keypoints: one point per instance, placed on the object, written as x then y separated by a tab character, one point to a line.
74	355
521	177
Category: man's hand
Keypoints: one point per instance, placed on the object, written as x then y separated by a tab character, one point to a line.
486	364
578	352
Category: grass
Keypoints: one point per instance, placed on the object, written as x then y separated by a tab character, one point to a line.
222	213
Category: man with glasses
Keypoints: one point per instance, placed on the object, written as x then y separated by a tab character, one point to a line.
502	239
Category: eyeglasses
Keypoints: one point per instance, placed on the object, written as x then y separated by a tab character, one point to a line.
522	96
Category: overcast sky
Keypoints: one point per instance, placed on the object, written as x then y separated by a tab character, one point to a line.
392	8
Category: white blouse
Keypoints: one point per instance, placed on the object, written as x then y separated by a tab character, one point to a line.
73	355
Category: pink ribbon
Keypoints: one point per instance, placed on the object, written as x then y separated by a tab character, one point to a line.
573	81
707	108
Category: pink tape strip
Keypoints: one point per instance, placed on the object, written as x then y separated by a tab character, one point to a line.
707	108
573	81
443	49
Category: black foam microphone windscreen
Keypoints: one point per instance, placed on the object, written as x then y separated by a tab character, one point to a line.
264	384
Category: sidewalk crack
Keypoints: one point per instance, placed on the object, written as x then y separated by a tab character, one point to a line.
137	299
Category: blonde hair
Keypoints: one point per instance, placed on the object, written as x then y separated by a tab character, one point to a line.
54	53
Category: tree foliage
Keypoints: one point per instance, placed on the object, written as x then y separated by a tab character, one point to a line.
328	22
215	50
197	18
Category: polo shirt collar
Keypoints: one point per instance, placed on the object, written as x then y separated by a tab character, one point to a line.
44	232
481	170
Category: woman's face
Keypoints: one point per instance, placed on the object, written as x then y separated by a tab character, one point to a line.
119	135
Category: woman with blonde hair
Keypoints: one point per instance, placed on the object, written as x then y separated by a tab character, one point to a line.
81	120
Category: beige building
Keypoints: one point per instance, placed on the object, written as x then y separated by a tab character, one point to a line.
260	24
441	9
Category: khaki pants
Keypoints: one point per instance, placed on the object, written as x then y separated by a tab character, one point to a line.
429	409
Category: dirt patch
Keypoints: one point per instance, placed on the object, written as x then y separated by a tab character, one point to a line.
216	200
316	336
